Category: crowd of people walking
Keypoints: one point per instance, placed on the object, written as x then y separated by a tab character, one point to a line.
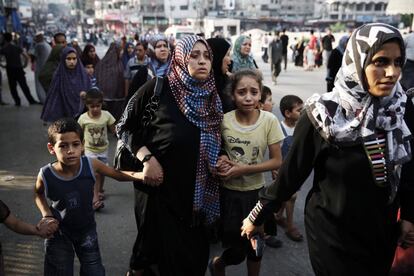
194	123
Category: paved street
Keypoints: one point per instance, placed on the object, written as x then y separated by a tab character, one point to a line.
23	151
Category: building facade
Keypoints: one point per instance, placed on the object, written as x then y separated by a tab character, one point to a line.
356	10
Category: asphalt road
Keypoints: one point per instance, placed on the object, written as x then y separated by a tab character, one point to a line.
23	151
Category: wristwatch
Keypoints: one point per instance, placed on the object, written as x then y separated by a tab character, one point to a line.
146	158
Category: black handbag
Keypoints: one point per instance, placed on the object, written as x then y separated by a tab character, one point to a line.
124	159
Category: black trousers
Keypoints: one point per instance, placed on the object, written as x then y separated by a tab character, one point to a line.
284	57
17	75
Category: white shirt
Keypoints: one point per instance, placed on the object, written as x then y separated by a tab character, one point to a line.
409	46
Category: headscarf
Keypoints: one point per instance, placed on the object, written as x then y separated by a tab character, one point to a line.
200	104
86	59
47	71
63	97
240	61
350	114
125	55
342	44
110	74
158	68
219	47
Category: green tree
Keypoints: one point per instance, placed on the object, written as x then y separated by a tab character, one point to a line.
407	19
338	27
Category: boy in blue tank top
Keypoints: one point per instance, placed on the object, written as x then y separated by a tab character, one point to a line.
290	107
68	185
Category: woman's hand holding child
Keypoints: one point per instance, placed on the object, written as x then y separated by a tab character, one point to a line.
153	172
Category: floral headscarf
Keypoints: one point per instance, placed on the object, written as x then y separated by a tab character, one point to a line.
199	102
350	114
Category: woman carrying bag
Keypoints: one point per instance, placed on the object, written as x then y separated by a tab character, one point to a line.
179	150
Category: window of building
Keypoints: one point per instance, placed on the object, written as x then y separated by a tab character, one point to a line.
335	6
184	7
378	7
369	6
334	16
264	7
360	7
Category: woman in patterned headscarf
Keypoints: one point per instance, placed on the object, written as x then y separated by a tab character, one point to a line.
242	57
356	139
179	152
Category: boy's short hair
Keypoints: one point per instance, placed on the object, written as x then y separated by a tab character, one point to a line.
143	43
93	95
88	61
61	126
266	92
59	34
236	77
288	102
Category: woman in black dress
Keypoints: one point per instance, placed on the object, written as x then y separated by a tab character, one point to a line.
356	139
179	150
221	68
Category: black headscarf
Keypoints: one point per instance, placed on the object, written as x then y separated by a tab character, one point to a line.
220	47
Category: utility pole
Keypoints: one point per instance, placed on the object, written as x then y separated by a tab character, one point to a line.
79	20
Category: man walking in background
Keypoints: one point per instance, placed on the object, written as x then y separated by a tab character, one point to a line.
275	56
327	41
285	42
15	71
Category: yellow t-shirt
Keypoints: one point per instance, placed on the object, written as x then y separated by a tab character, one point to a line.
247	145
96	131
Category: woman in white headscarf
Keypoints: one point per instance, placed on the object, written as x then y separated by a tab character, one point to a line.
356	139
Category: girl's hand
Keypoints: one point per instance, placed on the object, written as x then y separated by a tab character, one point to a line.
407	234
235	170
222	166
153	172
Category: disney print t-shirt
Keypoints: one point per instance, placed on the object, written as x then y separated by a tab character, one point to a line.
96	131
247	145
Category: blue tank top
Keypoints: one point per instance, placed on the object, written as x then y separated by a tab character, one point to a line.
286	142
71	199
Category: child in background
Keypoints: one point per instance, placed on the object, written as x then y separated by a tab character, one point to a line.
290	107
253	131
90	70
68	184
270	225
95	123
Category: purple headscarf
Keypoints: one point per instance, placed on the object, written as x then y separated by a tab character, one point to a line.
125	55
63	97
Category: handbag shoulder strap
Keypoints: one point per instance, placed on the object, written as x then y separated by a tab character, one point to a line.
153	104
158	86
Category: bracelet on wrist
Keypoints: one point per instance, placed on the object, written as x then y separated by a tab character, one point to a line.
255	212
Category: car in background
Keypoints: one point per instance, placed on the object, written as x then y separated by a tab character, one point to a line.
178	32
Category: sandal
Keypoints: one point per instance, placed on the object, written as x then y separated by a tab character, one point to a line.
211	267
294	234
